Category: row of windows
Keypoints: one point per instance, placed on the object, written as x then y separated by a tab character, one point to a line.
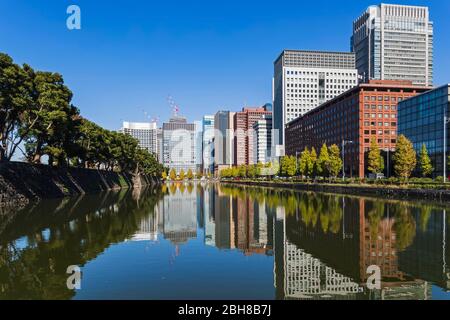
380	115
380	124
383	98
328	74
380	107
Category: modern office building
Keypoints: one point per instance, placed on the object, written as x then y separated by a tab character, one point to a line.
303	80
145	133
160	145
355	117
394	42
208	144
179	144
244	134
421	120
262	140
223	139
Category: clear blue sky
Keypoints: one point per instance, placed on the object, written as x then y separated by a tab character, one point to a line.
208	55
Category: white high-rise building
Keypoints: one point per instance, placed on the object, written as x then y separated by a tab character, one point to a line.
179	145
262	140
146	133
303	80
394	42
208	144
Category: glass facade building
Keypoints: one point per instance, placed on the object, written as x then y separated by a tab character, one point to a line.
421	120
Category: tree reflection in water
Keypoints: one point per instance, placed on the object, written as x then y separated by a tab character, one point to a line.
56	234
320	244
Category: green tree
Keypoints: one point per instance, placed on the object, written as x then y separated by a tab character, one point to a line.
312	164
304	162
426	166
335	162
404	158
173	175
375	160
190	175
323	161
15	99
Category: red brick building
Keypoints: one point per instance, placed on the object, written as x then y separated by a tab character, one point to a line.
366	111
243	140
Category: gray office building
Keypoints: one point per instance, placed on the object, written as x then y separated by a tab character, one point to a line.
179	145
303	80
394	42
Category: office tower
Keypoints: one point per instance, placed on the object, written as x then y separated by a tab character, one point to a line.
160	145
243	138
179	145
199	146
145	133
223	140
303	80
421	120
361	114
262	140
208	144
394	42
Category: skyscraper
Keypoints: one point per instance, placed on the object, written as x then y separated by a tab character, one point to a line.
208	144
223	139
303	80
145	133
262	140
179	144
394	42
243	138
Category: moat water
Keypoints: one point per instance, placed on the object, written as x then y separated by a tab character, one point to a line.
211	241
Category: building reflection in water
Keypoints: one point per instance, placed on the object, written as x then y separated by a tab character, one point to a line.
323	245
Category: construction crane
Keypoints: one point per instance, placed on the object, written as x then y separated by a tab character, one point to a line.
173	105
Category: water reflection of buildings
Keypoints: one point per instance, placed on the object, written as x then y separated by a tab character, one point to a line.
174	217
237	223
312	262
179	216
148	228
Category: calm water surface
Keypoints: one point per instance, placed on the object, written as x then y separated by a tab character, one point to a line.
221	242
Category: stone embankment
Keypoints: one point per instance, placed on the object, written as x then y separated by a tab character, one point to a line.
385	192
22	182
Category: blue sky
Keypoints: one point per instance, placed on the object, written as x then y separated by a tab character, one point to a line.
209	55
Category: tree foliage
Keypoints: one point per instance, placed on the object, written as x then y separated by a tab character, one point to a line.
38	119
405	159
426	167
335	161
375	159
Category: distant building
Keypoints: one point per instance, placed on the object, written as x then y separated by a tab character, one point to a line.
303	80
262	140
365	112
145	133
160	145
421	120
208	144
243	137
394	42
223	139
179	145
